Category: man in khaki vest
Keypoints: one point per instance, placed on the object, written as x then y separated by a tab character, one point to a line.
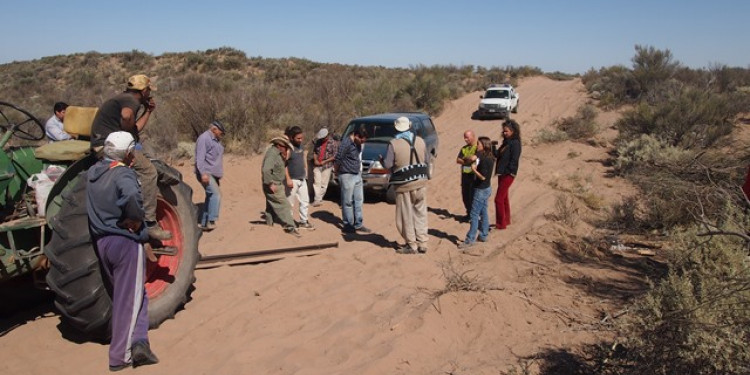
405	160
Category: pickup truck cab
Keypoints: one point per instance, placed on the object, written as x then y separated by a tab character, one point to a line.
498	102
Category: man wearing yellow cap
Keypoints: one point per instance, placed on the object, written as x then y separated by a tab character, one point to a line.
120	113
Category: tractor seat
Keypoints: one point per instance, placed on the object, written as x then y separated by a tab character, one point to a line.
78	121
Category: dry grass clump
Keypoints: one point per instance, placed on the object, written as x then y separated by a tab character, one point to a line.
565	210
549	136
458	279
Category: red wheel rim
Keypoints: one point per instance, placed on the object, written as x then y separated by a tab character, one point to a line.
162	273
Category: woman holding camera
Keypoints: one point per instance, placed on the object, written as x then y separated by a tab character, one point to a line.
506	169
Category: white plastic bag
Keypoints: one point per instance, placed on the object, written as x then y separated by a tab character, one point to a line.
54	171
42	185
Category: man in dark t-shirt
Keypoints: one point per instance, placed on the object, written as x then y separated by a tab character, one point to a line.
296	176
120	114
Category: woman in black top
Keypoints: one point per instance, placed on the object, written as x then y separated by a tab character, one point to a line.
482	168
508	156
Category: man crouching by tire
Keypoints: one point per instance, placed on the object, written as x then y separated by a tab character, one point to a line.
116	221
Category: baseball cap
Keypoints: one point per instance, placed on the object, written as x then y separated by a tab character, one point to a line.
118	144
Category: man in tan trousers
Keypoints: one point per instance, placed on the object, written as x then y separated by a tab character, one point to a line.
409	173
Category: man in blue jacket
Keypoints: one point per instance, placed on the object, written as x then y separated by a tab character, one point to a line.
116	222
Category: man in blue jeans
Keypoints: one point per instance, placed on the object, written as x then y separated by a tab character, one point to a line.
209	169
348	167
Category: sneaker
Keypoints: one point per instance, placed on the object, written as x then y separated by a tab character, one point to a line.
347	229
209	227
156	233
317	203
406	249
480	239
465	245
422	249
363	229
119	367
142	354
306	225
293	231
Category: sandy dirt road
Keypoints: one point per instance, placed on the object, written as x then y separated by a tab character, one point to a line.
361	308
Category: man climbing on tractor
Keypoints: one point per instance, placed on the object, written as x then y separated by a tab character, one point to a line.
120	113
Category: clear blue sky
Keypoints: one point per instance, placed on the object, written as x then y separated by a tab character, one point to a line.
569	36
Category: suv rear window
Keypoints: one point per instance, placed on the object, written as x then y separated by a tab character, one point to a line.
376	130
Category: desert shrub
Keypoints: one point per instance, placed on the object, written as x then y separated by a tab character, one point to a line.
624	216
692	119
695	321
428	89
646	151
651	68
560	76
581	126
678	186
613	86
232	62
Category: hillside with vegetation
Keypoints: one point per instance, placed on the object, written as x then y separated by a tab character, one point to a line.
251	95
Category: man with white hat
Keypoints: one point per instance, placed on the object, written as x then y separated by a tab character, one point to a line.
409	172
324	153
116	218
120	113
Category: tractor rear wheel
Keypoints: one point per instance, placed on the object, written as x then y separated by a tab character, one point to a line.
83	294
169	280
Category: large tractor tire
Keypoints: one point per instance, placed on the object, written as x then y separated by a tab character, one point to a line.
82	293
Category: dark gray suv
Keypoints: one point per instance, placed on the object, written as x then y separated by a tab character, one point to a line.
380	130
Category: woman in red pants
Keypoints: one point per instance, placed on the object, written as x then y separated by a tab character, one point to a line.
507	156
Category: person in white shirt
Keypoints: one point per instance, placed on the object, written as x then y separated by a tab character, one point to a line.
54	126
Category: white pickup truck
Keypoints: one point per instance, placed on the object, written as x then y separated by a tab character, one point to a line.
498	101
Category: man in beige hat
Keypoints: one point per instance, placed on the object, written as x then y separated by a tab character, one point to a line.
274	174
120	113
405	159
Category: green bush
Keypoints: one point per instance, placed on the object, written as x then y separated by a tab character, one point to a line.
693	118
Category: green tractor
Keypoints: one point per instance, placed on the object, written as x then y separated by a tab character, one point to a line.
50	239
